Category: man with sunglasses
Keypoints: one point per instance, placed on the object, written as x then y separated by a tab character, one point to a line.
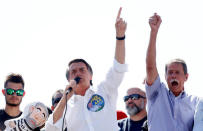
135	102
13	92
56	97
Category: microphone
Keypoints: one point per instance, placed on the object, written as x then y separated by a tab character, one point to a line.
77	80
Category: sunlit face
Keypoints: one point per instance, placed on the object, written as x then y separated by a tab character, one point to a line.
79	69
13	100
39	115
139	102
175	78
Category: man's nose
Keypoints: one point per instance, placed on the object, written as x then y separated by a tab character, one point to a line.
173	75
77	73
14	94
130	99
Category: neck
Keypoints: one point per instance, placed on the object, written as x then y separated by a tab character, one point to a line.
12	110
142	114
177	93
83	91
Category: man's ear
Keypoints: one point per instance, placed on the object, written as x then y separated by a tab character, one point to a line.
91	80
23	93
186	77
145	102
165	76
3	91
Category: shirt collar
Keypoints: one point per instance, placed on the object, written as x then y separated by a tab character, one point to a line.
180	96
77	98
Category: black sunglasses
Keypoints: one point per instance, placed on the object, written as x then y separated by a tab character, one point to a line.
133	96
18	92
54	101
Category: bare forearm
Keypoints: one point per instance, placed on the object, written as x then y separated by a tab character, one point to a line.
151	51
151	59
58	112
120	51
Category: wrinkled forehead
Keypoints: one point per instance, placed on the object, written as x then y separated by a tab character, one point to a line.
135	91
175	66
77	65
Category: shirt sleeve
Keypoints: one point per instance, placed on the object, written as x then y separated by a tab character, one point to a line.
113	80
198	117
49	126
114	77
152	91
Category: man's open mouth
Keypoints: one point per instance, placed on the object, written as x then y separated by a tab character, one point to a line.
174	82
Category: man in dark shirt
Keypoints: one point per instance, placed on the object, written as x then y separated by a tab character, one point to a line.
56	97
13	92
135	101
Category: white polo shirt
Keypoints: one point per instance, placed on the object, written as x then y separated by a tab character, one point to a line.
96	110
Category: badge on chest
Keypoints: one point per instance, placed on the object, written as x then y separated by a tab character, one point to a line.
96	103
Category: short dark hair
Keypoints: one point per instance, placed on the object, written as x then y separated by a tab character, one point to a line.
178	61
15	78
89	68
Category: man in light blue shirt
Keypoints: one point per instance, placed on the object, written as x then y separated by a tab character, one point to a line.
169	109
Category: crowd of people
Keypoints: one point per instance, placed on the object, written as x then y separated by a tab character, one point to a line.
84	107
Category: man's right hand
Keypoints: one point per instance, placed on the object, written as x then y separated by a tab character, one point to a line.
155	22
58	111
120	25
72	84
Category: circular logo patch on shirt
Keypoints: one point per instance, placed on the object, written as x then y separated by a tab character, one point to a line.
96	103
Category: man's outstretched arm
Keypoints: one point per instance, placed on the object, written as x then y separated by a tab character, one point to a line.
151	68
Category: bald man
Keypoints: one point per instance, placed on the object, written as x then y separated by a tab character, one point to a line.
135	102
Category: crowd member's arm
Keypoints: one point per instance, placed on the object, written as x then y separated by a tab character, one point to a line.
115	75
151	68
120	33
55	120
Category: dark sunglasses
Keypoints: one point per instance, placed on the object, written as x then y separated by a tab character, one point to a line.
54	101
18	92
133	96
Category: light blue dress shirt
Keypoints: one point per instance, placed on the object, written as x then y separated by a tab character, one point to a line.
198	120
167	112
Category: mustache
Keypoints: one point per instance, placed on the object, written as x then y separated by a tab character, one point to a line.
174	81
130	106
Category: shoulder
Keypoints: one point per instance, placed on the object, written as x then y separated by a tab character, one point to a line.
192	98
2	112
122	122
145	126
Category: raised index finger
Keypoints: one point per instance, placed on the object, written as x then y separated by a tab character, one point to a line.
119	13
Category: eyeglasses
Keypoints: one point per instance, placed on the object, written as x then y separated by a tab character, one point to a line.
54	101
133	96
18	92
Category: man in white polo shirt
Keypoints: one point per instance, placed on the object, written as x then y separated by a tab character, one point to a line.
89	108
